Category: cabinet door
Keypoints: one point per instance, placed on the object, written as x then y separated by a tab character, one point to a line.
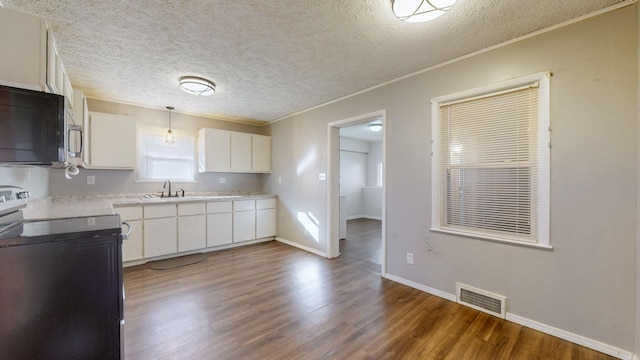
160	236
53	60
261	153
214	150
244	225
219	229
240	152
192	232
112	141
265	223
133	246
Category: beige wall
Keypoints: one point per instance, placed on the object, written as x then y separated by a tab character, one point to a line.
587	284
123	182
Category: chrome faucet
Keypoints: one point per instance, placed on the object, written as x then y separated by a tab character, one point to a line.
165	186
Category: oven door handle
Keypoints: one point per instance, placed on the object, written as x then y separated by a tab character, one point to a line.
126	236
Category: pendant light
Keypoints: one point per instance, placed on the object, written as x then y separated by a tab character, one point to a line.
169	138
420	10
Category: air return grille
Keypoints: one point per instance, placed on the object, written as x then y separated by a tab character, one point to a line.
481	300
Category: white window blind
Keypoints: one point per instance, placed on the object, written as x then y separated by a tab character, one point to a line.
489	167
160	161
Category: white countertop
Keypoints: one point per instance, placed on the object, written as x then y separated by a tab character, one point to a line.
74	206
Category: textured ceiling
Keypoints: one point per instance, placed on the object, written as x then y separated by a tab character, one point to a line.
269	59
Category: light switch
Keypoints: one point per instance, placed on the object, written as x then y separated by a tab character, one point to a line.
223	180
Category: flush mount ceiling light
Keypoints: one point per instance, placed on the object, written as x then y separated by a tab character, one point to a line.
169	138
197	86
375	127
420	10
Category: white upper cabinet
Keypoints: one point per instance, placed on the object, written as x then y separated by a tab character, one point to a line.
230	151
240	151
261	153
30	57
23	57
214	150
111	142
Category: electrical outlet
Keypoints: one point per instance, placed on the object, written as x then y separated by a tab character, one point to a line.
279	179
91	179
410	258
223	180
322	176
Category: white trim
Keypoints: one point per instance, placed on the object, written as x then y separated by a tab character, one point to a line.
356	217
333	185
547	329
544	154
301	247
574	338
472	54
415	285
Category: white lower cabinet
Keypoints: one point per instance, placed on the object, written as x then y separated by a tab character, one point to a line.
165	229
132	248
244	220
192	227
160	230
219	223
265	218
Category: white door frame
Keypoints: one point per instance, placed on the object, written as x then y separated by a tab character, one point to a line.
333	192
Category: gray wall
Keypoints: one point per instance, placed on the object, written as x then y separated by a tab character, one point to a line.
586	285
32	178
123	182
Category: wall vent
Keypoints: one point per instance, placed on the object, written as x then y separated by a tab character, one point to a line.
481	300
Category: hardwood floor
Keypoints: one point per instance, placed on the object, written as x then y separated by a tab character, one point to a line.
273	301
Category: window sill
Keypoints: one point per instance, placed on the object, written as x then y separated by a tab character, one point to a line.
494	239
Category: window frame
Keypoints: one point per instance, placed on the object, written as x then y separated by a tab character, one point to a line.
543	148
144	131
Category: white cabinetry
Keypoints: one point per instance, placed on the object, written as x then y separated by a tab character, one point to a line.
230	151
214	150
265	218
30	57
132	248
219	223
111	142
160	230
192	227
240	151
244	220
261	153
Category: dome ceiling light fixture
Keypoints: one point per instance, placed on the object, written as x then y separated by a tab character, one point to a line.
420	10
197	86
375	127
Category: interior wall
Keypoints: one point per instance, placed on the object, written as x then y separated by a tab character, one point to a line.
372	194
594	167
34	179
353	169
124	182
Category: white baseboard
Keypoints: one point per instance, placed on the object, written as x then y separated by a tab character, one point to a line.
354	217
574	338
547	329
415	285
302	247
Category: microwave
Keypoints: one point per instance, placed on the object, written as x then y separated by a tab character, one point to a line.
34	129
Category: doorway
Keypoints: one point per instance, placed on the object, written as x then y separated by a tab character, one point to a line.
373	187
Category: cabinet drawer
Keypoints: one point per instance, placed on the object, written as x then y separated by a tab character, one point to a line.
191	209
266	204
244	205
159	211
219	207
129	213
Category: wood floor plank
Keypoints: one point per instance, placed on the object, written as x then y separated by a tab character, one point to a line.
272	301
